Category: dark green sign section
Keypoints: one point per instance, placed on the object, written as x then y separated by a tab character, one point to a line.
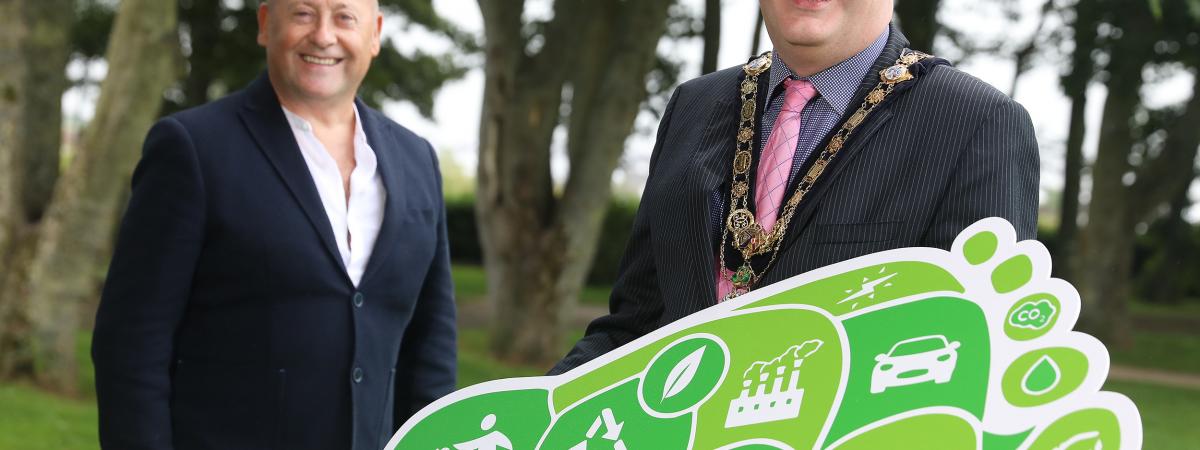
495	420
932	352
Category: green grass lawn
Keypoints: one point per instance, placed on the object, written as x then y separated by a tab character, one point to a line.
1169	416
1179	352
33	420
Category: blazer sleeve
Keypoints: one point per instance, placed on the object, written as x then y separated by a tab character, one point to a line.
996	176
146	292
636	303
426	368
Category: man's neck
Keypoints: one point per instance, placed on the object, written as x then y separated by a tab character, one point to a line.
808	60
326	116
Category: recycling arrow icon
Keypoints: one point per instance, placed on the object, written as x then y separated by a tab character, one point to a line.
612	431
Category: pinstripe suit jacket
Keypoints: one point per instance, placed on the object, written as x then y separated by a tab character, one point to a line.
928	162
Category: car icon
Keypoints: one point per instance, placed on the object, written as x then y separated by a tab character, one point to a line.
914	361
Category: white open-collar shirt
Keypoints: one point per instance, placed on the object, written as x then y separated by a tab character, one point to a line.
355	222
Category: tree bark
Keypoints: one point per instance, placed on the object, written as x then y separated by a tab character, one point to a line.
1176	253
1107	247
203	20
918	20
76	234
1075	83
537	245
758	27
12	92
38	78
712	36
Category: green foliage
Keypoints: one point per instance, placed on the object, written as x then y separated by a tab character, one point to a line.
90	30
219	46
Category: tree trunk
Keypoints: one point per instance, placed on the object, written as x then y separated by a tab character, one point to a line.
712	36
1075	83
12	93
918	20
538	246
1107	250
1175	254
39	78
758	27
203	20
76	234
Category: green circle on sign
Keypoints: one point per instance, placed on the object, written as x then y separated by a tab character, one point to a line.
684	375
1012	274
980	247
1042	376
1032	317
1083	429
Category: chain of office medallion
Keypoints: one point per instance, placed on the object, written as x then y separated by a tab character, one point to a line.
749	237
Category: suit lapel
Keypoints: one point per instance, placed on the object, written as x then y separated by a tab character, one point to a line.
264	117
390	170
861	136
709	167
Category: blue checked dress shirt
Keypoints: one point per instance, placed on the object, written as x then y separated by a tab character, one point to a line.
835	89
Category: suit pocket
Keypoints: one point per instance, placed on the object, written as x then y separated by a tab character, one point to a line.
856	233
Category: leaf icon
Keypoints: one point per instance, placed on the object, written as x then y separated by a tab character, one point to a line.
681	375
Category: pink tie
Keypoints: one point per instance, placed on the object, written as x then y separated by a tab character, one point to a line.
775	165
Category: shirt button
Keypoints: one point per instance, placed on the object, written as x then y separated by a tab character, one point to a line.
358	299
358	375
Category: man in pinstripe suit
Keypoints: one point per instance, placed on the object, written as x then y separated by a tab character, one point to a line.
936	155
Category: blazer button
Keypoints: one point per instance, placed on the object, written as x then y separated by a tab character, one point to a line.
358	375
358	299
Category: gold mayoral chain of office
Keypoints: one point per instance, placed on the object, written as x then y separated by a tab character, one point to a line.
749	238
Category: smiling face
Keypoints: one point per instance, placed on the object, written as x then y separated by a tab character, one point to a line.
318	51
819	29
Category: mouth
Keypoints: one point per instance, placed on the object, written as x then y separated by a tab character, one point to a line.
810	4
319	60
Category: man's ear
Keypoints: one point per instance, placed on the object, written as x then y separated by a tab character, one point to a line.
375	44
262	24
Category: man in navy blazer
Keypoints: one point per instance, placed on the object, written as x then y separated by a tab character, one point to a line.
281	278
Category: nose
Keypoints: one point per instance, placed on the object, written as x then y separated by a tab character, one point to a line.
323	36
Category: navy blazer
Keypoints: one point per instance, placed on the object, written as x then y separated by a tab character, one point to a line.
228	320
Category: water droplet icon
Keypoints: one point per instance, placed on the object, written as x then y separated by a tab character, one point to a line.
1042	377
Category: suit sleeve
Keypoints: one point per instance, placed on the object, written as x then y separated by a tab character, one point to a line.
427	365
996	176
146	292
636	303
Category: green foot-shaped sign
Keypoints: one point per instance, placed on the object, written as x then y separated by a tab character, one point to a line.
908	348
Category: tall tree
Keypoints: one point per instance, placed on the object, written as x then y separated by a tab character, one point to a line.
586	68
34	81
1075	85
1123	194
758	27
712	36
76	233
918	19
1176	252
12	35
221	54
